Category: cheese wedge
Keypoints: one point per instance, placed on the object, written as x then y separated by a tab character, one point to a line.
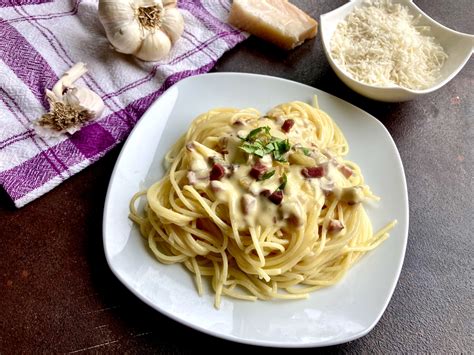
277	21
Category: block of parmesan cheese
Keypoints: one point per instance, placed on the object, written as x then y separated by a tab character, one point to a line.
277	21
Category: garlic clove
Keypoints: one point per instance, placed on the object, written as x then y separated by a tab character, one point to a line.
154	46
148	3
113	11
51	96
169	3
173	24
126	37
68	78
71	106
85	99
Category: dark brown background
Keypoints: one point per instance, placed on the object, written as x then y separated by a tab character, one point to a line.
57	293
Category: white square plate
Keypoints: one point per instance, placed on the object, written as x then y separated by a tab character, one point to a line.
330	316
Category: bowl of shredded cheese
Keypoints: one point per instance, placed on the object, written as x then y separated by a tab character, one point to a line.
390	50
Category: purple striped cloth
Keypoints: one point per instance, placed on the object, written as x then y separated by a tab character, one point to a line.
41	39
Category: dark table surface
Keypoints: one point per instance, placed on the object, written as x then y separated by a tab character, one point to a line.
57	293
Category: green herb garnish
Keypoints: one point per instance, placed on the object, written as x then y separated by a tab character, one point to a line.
265	130
267	175
256	148
305	151
284	180
281	146
259	142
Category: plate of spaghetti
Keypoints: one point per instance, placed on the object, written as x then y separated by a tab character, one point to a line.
259	210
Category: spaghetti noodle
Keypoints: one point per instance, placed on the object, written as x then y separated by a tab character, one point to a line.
266	206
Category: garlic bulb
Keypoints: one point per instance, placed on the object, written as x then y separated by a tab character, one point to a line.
71	106
144	28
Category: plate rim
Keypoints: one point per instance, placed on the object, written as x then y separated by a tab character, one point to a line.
233	338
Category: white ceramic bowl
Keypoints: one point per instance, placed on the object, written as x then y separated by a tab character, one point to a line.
459	47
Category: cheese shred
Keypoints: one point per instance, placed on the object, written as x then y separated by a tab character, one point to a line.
381	44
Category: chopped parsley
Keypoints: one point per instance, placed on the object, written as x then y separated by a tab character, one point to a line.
281	146
256	148
284	180
254	133
260	142
305	151
267	175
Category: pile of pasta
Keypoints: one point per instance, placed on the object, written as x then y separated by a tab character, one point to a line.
185	221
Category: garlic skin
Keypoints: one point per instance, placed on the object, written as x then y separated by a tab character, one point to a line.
71	106
145	28
84	99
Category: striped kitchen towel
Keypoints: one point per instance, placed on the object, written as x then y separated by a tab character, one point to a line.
41	39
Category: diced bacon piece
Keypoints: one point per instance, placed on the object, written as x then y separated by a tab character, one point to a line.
217	186
192	178
293	212
265	193
287	125
217	172
214	159
254	189
248	204
313	172
335	225
277	21
258	169
276	197
345	170
279	119
327	186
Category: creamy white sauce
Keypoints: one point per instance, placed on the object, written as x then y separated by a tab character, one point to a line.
244	193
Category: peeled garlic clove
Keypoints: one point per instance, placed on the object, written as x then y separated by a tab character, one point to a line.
85	99
173	24
154	46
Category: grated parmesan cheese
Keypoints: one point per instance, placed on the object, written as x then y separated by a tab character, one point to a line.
380	44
